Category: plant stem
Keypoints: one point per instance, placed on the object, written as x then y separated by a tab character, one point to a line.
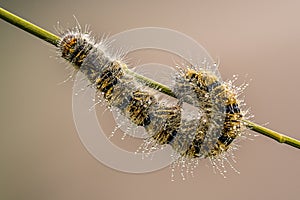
272	134
28	27
53	39
151	83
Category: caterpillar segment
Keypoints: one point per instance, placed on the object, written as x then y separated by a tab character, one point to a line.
165	123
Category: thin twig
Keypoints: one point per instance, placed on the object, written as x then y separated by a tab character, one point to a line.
53	39
272	134
29	27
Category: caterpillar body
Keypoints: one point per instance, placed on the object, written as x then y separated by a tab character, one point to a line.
209	135
220	123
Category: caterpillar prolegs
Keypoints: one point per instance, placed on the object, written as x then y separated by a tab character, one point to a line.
208	135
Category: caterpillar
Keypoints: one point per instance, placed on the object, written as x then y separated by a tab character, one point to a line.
221	122
209	135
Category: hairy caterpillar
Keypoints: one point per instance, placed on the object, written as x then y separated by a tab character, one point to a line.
207	136
220	123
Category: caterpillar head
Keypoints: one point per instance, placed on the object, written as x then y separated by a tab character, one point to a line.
74	47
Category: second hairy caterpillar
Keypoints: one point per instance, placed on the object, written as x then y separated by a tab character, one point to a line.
221	119
208	136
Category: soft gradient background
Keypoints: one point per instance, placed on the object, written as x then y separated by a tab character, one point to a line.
40	153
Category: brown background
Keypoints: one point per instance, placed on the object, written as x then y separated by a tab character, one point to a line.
40	153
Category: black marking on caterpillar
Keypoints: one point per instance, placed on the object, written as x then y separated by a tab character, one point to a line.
208	136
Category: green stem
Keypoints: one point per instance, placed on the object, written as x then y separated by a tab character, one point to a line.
53	39
272	134
151	83
29	27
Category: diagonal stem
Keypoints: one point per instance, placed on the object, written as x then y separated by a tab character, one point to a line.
29	27
272	134
54	39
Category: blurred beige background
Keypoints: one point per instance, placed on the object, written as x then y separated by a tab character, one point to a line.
41	154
